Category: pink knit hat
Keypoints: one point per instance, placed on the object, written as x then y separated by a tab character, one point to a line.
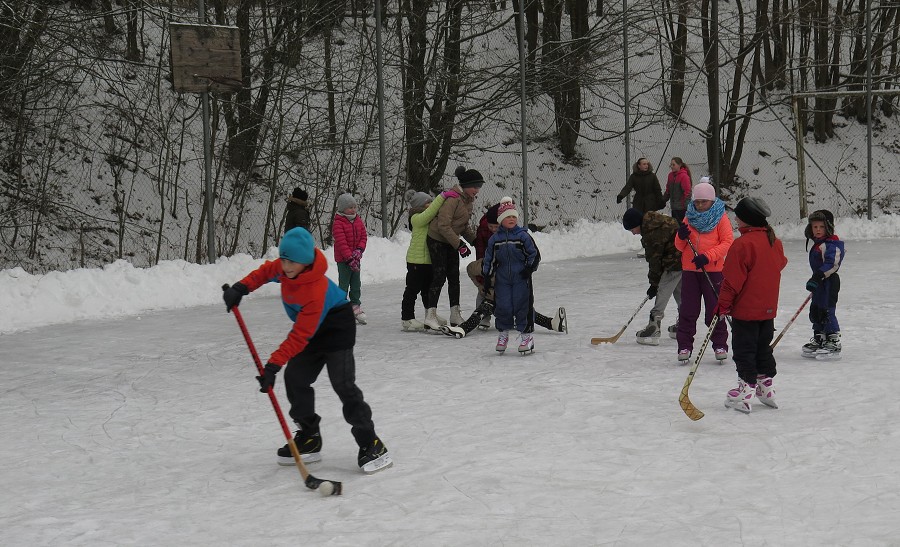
704	190
507	209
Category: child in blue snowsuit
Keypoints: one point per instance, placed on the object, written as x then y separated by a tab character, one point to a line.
825	258
510	259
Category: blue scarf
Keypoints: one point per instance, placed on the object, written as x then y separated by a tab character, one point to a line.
706	221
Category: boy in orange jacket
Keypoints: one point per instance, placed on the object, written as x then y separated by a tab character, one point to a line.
323	334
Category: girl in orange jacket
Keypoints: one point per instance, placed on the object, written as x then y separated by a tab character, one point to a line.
704	238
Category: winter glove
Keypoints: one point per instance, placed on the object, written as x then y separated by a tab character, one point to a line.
700	261
722	311
651	292
449	194
267	380
683	231
815	281
619	199
355	259
463	249
527	271
233	294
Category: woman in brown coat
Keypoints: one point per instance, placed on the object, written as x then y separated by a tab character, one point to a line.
445	244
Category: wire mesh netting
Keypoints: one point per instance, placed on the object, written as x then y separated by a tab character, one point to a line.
102	160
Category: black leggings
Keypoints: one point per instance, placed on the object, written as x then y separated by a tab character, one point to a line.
444	266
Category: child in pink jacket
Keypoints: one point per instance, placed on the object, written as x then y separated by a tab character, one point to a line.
707	228
349	233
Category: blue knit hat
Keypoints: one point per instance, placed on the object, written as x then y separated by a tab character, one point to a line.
298	246
632	218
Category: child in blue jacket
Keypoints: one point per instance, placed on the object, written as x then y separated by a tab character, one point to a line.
825	258
510	259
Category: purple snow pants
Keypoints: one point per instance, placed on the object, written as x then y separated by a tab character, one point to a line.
695	286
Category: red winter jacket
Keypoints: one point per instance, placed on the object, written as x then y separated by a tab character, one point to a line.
678	189
752	276
482	235
348	236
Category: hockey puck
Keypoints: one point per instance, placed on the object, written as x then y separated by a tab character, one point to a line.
326	488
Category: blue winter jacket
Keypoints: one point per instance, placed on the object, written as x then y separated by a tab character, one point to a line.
508	253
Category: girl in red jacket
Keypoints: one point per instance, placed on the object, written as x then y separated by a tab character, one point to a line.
349	233
678	187
750	296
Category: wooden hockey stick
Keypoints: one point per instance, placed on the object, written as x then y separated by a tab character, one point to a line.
791	322
687	406
310	481
612	339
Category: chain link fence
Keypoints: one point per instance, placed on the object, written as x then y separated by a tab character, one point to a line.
104	161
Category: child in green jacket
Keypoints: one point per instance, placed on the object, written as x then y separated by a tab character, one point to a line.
422	210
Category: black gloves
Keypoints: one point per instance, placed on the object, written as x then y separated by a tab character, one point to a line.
700	261
463	249
683	231
651	292
815	281
619	199
233	295
267	380
527	271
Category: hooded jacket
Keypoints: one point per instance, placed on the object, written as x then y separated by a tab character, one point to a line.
752	276
452	220
314	303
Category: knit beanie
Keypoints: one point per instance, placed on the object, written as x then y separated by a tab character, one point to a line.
345	201
506	209
632	218
419	200
753	211
298	246
704	190
300	194
491	214
468	178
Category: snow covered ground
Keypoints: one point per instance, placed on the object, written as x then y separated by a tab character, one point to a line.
130	416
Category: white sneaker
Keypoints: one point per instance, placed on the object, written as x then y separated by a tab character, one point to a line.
502	341
741	398
456	317
765	391
413	325
359	314
526	343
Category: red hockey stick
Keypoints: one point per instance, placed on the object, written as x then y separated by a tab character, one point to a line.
310	481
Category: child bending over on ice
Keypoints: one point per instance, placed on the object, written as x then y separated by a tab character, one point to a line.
323	334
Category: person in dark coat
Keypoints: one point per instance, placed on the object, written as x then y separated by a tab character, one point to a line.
297	211
647	192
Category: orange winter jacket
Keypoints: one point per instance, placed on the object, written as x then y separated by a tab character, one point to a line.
714	245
